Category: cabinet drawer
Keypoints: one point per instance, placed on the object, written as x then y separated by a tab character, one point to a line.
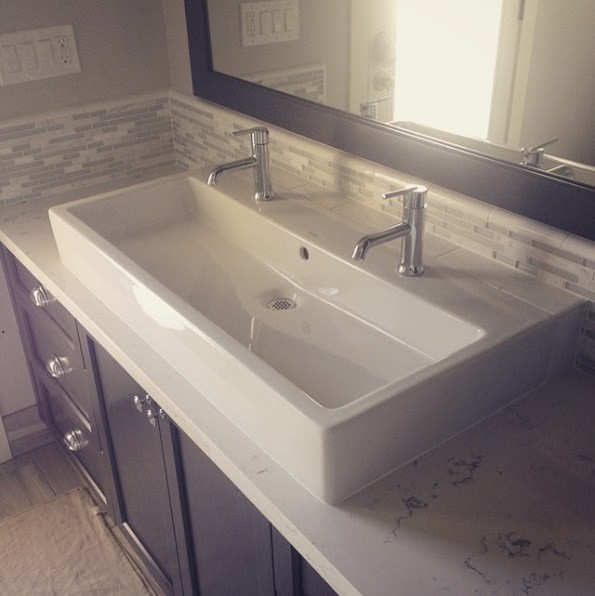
73	430
28	290
53	350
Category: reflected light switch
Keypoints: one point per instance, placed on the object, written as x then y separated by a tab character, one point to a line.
266	22
291	23
10	60
278	21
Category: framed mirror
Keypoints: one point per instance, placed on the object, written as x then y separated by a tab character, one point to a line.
535	193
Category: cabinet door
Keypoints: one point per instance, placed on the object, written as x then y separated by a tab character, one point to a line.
229	537
145	508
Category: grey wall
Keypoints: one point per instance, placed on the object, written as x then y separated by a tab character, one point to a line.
121	45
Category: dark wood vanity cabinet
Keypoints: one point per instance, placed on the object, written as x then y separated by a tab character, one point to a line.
192	525
193	529
196	531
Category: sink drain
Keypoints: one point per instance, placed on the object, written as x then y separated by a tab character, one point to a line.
281	304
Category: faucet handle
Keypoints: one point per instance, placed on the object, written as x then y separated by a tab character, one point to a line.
414	195
533	156
260	134
542	145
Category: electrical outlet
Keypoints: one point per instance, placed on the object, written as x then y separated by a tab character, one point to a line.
63	50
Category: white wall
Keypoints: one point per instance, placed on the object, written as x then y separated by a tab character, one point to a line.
5	453
564	47
16	391
121	45
177	46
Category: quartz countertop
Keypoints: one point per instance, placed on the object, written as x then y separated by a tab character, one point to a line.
506	507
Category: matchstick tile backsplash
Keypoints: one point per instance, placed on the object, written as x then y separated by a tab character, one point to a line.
54	152
307	82
49	154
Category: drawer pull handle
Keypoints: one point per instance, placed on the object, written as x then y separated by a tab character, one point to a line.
140	401
58	367
75	440
39	297
153	414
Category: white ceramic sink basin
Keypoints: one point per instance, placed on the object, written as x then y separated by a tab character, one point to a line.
340	375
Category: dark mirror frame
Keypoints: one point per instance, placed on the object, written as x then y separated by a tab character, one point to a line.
563	204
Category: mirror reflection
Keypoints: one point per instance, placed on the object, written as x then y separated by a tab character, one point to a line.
513	79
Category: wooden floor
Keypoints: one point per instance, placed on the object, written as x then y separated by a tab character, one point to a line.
35	478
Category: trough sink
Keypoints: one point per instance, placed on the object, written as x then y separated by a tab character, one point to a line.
341	375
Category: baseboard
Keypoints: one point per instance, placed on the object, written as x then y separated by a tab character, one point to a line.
26	431
5	453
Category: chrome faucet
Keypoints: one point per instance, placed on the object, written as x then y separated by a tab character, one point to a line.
410	229
533	156
258	161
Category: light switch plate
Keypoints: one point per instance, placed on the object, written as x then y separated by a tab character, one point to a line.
38	54
269	21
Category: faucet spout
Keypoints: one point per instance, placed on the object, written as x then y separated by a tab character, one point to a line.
370	240
240	164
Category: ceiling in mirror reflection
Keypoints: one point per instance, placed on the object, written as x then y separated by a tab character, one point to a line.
516	72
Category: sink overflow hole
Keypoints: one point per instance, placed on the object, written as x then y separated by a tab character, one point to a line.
304	253
281	304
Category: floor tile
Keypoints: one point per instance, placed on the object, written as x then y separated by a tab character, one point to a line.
21	488
56	468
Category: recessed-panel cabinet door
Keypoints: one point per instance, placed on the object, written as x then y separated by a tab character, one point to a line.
141	475
231	539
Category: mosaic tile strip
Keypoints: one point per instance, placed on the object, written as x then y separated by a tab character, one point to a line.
308	82
59	152
202	134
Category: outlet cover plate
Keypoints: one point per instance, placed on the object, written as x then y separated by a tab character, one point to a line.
38	54
269	21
